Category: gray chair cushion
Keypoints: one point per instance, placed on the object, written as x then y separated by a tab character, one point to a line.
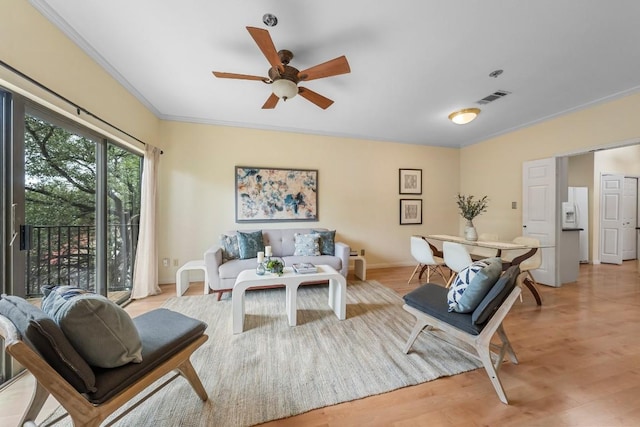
163	333
495	296
42	334
432	300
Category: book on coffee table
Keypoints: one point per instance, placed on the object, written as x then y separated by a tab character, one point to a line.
304	267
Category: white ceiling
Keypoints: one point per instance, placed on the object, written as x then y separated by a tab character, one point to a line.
412	61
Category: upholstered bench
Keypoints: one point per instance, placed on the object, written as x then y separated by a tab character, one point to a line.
91	394
429	305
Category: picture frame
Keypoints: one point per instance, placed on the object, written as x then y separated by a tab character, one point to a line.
275	194
410	181
410	211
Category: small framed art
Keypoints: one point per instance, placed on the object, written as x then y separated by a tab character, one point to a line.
410	211
410	181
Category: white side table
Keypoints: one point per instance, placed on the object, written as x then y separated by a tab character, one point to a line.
183	273
360	266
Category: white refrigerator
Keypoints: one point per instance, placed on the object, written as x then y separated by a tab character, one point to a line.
575	214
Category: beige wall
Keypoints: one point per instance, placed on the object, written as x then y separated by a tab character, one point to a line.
32	45
358	188
580	173
358	179
494	167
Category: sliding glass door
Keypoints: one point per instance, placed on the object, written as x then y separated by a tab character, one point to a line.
81	208
124	174
59	230
70	206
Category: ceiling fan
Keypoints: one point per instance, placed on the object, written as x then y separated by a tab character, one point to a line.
285	78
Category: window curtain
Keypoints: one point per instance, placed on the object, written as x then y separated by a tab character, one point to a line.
145	273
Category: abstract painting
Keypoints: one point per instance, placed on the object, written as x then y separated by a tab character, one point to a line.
271	194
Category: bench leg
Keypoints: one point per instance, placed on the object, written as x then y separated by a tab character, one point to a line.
39	396
187	371
485	357
419	326
506	345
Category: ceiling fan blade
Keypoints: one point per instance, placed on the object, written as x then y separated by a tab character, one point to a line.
265	43
222	75
271	102
326	69
315	97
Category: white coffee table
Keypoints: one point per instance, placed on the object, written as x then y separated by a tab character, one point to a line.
248	278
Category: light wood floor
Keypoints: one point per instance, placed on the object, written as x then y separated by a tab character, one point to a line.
579	364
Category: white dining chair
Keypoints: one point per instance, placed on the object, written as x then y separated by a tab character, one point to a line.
422	252
456	258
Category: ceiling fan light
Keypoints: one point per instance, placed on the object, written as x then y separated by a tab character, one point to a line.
284	89
462	117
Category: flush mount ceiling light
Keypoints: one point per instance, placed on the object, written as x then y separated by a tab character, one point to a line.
462	117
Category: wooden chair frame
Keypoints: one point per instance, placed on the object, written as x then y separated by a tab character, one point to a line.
81	411
481	343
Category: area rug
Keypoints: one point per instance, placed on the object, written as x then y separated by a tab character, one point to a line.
273	371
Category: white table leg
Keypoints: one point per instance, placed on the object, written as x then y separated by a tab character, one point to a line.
360	267
206	282
181	286
237	309
338	297
292	303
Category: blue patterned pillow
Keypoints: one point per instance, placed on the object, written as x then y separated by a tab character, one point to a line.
230	249
327	241
479	286
249	244
307	245
462	281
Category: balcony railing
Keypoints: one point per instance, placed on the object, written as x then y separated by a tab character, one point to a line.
66	255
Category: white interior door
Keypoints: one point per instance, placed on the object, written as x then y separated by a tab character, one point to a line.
629	218
611	219
539	213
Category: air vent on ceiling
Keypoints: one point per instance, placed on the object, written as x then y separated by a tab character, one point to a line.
495	95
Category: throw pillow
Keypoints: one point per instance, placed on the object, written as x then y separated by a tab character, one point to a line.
100	331
306	245
40	332
249	244
481	283
327	241
495	296
230	249
460	284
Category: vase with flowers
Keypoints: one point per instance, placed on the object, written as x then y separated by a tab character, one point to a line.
470	208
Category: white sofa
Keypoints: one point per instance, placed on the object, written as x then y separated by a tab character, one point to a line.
222	275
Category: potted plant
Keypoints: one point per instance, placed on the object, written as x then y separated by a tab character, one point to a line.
274	265
469	209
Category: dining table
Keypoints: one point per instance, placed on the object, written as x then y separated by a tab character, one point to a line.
500	247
